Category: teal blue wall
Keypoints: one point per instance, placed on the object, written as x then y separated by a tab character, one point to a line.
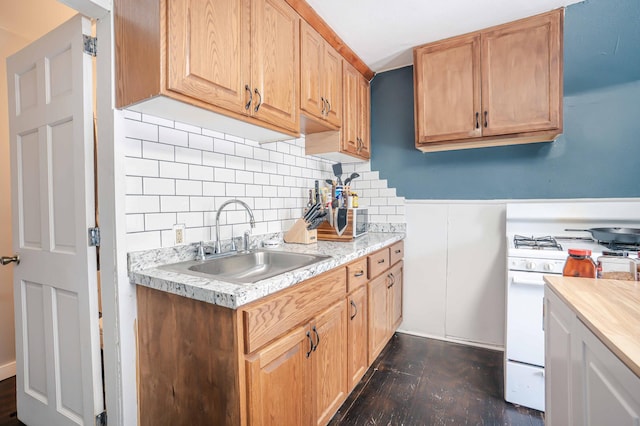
597	156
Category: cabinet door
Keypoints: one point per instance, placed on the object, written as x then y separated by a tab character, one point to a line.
275	59
332	84
447	90
208	51
350	109
378	318
521	84
395	297
558	321
279	381
311	58
329	359
357	336
364	118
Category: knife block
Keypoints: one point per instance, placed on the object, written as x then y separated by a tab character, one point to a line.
327	232
299	234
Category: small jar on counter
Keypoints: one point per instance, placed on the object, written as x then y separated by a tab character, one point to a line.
617	266
579	264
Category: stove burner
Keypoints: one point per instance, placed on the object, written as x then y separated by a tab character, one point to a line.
536	243
613	245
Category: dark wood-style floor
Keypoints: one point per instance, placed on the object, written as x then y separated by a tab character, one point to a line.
414	382
417	381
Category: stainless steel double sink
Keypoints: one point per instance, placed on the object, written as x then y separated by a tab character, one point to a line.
246	268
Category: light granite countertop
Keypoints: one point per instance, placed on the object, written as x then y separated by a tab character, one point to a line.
145	269
609	308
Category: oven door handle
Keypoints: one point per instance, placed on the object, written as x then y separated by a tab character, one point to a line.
515	280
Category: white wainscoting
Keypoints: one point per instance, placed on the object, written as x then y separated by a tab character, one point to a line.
455	271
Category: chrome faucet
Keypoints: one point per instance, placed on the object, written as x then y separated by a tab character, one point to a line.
252	222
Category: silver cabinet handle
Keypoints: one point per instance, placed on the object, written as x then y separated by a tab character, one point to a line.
248	89
355	308
259	100
4	260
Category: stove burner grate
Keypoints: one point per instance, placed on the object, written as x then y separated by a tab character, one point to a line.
536	243
616	246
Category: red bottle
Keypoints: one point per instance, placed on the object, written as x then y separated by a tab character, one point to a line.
579	264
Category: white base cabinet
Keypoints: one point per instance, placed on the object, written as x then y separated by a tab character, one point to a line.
586	384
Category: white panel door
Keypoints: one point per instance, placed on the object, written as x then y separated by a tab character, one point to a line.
55	286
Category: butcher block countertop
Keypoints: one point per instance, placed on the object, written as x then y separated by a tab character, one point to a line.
609	308
145	268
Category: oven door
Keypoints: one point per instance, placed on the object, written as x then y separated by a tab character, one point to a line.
525	335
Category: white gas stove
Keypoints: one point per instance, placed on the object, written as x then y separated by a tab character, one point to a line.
538	239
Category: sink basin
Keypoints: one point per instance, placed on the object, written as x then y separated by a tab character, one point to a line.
246	268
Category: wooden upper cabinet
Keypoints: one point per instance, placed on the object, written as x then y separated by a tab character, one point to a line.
208	51
237	58
499	86
320	77
356	113
521	85
275	57
447	90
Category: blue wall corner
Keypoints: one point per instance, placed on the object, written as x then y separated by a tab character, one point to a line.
597	156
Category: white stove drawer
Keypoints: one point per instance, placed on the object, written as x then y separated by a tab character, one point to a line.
524	385
525	335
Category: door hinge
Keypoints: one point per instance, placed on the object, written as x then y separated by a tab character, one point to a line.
101	419
90	44
94	237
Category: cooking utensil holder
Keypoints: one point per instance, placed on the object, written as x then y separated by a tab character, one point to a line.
299	234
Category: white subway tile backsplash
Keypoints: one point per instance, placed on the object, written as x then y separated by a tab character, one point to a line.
157	120
190	219
244	177
203	143
157	151
224	146
233	162
135	222
213	159
172	136
188	128
140	130
133	185
178	203
174	170
132	115
213	189
178	173
188	187
225	175
187	155
200	172
159	221
142	204
133	147
213	133
158	186
244	151
141	167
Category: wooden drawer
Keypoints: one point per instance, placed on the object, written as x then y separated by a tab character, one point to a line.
378	262
397	252
267	319
356	274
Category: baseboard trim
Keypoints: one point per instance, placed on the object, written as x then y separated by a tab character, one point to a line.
453	340
7	370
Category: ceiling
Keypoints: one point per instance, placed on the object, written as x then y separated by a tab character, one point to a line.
383	32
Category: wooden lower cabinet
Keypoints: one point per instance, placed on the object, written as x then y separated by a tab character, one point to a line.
301	378
385	307
357	350
279	382
290	358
